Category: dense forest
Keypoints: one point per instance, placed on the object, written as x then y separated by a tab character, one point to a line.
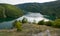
50	9
9	11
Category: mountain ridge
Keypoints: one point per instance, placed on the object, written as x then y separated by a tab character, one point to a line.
51	9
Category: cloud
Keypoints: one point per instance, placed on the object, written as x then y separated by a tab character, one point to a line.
23	1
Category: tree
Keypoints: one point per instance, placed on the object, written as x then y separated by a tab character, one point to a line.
49	23
57	23
17	25
41	22
24	20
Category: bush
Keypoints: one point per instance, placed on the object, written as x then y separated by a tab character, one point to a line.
49	23
57	23
17	25
41	22
24	20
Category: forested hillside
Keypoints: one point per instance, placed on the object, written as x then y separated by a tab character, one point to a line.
50	9
8	11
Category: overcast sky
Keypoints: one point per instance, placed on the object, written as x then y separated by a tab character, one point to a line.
23	1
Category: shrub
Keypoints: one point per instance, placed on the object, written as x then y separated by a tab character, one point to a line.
41	22
49	23
17	25
57	23
24	20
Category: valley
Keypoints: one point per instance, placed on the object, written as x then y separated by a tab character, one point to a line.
30	19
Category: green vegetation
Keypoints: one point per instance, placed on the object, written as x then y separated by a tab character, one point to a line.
49	23
24	20
29	30
55	23
50	9
8	11
17	25
41	22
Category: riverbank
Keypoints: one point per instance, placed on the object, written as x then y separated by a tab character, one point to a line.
31	30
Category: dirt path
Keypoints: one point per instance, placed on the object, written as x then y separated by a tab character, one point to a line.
46	33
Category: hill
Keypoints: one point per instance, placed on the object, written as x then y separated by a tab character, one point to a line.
51	9
9	11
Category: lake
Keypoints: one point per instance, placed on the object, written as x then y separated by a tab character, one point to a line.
30	17
6	25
